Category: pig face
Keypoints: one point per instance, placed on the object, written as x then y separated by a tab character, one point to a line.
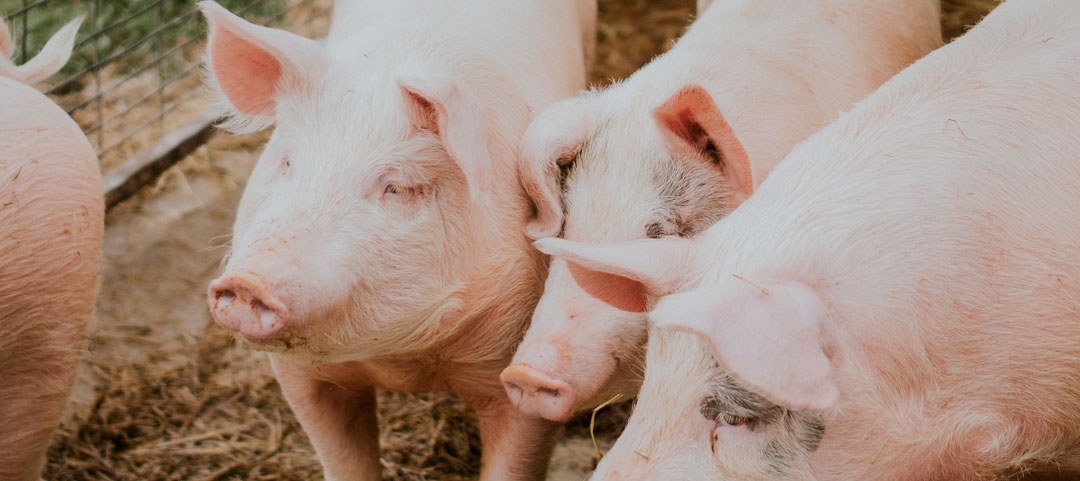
354	225
624	177
738	379
694	420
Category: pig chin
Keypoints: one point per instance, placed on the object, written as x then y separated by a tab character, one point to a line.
301	340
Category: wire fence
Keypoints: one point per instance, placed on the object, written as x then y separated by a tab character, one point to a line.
133	81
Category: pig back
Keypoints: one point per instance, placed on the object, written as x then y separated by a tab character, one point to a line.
541	48
941	220
51	218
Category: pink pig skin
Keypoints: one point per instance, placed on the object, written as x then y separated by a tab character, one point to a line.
899	300
380	239
51	221
757	77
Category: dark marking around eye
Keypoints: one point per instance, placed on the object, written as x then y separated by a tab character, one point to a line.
654	230
727	397
807	429
776	457
686	229
565	171
692	198
810	430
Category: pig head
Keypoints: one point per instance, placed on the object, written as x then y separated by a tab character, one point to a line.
685	170
743	365
354	237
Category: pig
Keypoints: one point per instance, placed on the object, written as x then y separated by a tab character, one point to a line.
380	240
51	221
674	148
897	301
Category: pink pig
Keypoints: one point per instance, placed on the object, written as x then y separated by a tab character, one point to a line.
900	300
51	220
380	240
678	146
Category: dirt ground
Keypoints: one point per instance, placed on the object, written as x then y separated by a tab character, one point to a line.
164	394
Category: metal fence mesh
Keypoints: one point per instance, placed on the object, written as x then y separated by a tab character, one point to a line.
134	74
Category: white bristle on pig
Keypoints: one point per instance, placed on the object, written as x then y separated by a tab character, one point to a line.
380	238
897	301
677	146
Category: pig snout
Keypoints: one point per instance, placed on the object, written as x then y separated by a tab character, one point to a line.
538	394
242	304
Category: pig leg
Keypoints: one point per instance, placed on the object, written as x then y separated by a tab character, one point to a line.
516	447
37	369
339	421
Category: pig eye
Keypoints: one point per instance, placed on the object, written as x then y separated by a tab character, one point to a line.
398	190
732	420
657	230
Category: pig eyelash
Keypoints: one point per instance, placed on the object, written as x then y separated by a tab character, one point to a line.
654	230
729	420
734	421
392	189
657	230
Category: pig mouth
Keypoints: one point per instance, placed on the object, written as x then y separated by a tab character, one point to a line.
303	348
278	345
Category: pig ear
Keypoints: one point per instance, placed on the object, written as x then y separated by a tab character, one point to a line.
50	60
690	121
6	44
624	274
441	106
253	65
770	335
553	140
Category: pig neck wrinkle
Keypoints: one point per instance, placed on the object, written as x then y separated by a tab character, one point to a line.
487	330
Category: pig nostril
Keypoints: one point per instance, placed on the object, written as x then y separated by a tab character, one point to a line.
263	309
226	295
549	392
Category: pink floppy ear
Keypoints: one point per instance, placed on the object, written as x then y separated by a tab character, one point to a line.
553	140
253	64
440	106
769	335
624	275
690	121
